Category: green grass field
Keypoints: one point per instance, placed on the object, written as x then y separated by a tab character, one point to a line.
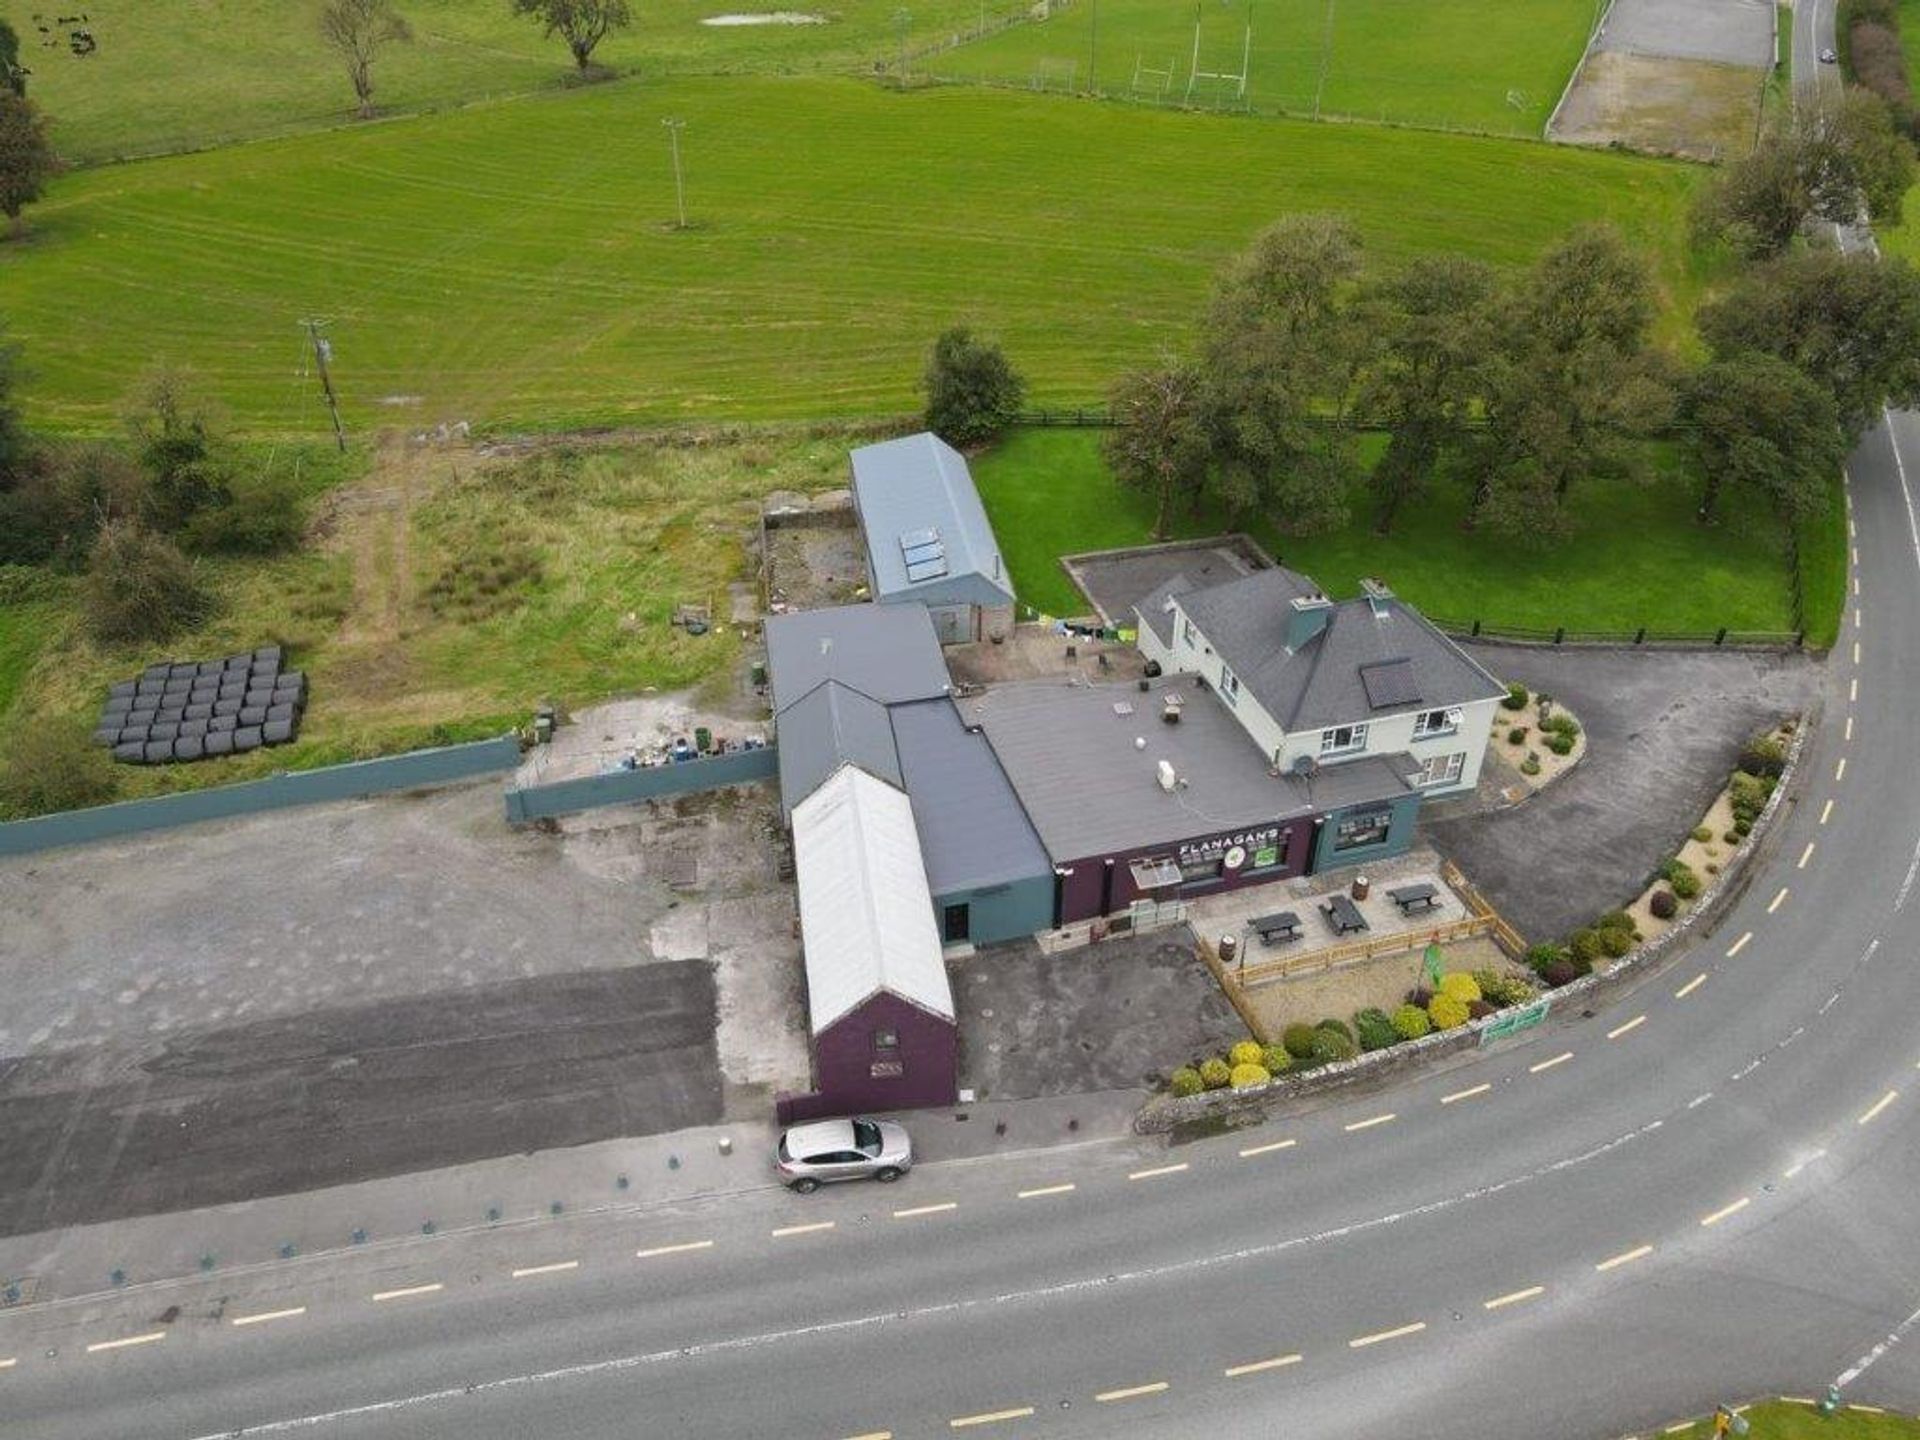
1637	557
1493	65
1790	1420
513	264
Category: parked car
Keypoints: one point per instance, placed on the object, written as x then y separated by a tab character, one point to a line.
810	1156
1827	57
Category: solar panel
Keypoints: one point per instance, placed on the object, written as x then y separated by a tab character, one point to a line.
911	538
927	570
1389	682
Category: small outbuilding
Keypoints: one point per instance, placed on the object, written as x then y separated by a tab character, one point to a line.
927	536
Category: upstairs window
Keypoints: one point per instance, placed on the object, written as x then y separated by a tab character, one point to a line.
1229	686
1430	723
1343	739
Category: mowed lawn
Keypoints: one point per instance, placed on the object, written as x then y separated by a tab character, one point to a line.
1494	65
515	264
1636	557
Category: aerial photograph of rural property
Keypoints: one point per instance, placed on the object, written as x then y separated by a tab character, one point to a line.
1077	719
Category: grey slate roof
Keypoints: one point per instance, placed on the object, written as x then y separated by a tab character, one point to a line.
1090	791
1152	610
907	487
830	726
973	832
1321	684
888	653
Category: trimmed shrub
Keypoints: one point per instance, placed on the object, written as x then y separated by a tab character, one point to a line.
1331	1045
1460	986
1561	723
1702	834
1530	765
1374	1030
1560	744
1186	1081
1298	1040
1560	972
1517	735
1663	905
1616	943
1516	697
1583	946
260	517
1215	1073
1732	837
1615	920
1410	1022
1542	955
1742	829
1446	1012
1276	1059
1247	1052
1503	989
1764	757
1747	794
1244	1076
1339	1027
1479	1009
1680	876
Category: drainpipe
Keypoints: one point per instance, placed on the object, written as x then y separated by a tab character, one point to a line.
1106	887
1060	874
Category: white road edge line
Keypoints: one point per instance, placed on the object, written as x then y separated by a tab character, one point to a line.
263	1317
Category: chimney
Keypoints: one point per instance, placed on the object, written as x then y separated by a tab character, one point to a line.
1308	617
1378	596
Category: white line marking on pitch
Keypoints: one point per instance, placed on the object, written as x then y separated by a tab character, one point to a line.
1625	1257
1805	856
1267	1149
1045	1190
1634	1024
146	1339
1734	1209
1158	1170
1777	901
813	1228
912	1210
1878	1105
265	1316
1560	1059
990	1417
681	1249
1826	811
408	1292
1369	1124
528	1271
1255	1367
1692	985
1500	1302
1362	1341
1468	1094
1131	1392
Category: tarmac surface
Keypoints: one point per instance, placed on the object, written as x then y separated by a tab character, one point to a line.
1731	32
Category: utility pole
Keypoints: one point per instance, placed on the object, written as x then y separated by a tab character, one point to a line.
1326	59
1093	47
674	127
322	352
902	19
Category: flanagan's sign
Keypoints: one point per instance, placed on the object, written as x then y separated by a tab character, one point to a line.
1231	849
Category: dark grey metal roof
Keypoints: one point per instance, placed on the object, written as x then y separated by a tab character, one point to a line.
1321	683
888	653
1355	782
830	726
927	533
1152	610
973	832
1090	790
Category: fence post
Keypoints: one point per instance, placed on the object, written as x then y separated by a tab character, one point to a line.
1476	627
1721	638
1559	635
1799	639
1640	636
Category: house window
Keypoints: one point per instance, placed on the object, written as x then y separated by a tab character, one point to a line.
1442	769
1358	831
885	1042
1343	739
1187	637
1431	723
1229	686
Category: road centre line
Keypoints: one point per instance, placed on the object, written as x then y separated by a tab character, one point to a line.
146	1339
1479	1089
1560	1059
1800	1165
1158	1170
1625	1257
1267	1149
408	1292
873	1435
1360	1342
1634	1024
1256	1367
911	1211
1734	1209
1369	1124
1777	901
1856	617
1849	730
990	1417
9	1361
1867	1409
1500	1302
1739	945
1131	1392
681	1249
1692	985
1697	1101
1840	770
1856	585
1805	856
526	1272
1878	1105
811	1228
1826	811
1853	690
1856	652
1045	1190
264	1316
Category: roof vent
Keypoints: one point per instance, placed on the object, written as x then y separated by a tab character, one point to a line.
1166	776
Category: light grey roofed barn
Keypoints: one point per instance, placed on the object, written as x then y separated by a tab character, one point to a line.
888	653
830	726
1376	656
927	533
973	832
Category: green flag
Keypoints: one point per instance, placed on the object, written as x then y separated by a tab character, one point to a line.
1433	964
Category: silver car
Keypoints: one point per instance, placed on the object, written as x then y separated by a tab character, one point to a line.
813	1155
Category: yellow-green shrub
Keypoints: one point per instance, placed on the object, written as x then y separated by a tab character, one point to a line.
1411	1022
1447	1012
1461	986
1215	1073
1247	1075
1186	1081
1247	1052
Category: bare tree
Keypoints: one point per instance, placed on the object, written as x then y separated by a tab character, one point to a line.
583	24
357	29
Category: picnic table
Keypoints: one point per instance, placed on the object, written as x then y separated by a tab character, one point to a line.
1412	898
1343	915
1282	925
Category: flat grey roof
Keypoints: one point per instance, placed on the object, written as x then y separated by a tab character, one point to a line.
926	529
973	831
888	653
1088	788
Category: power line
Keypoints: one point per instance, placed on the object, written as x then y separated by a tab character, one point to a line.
323	352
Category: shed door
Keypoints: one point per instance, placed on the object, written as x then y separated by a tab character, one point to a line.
952	623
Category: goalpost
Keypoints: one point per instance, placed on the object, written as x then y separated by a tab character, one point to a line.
1224	84
1150	82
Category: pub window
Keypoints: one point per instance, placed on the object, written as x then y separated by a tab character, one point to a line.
1198	871
1358	830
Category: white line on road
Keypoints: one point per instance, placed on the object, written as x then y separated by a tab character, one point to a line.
812	1228
1849	729
1697	1101
990	1417
1267	1149
1256	1367
1805	856
1840	770
1777	901
1856	585
1131	1392
9	1361
1826	812
1856	617
873	1435
681	1249
911	1211
146	1339
1560	1059
1045	1190
1500	1302
1634	1024
1369	1124
1734	1209
265	1316
408	1292
1800	1165
1878	1105
1625	1257
1468	1094
528	1271
1853	689
1158	1170
1692	985
1739	945
1362	1341
1856	652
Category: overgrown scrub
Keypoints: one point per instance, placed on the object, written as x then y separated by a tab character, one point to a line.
139	587
53	767
1869	32
490	578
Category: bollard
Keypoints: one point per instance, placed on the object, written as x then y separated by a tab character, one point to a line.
118	1277
359	1236
287	1252
726	1144
620	1182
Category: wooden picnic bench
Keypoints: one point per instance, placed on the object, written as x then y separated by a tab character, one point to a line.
1343	915
1414	898
1282	925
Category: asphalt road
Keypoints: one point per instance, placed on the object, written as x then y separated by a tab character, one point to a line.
1704	1191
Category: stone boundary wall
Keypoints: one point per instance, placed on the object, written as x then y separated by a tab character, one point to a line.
1163	1113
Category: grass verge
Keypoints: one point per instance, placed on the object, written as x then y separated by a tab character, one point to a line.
1791	1420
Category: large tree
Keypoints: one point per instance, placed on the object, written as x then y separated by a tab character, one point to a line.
357	29
1849	323
583	24
1571	384
1277	367
1159	444
973	393
1435	325
1760	425
27	160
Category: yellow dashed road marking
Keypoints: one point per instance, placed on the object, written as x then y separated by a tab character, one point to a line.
1362	1341
1255	1367
1734	1209
1878	1105
1500	1302
1131	1392
1468	1094
1625	1257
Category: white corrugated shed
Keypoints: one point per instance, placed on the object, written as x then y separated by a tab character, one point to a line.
866	914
